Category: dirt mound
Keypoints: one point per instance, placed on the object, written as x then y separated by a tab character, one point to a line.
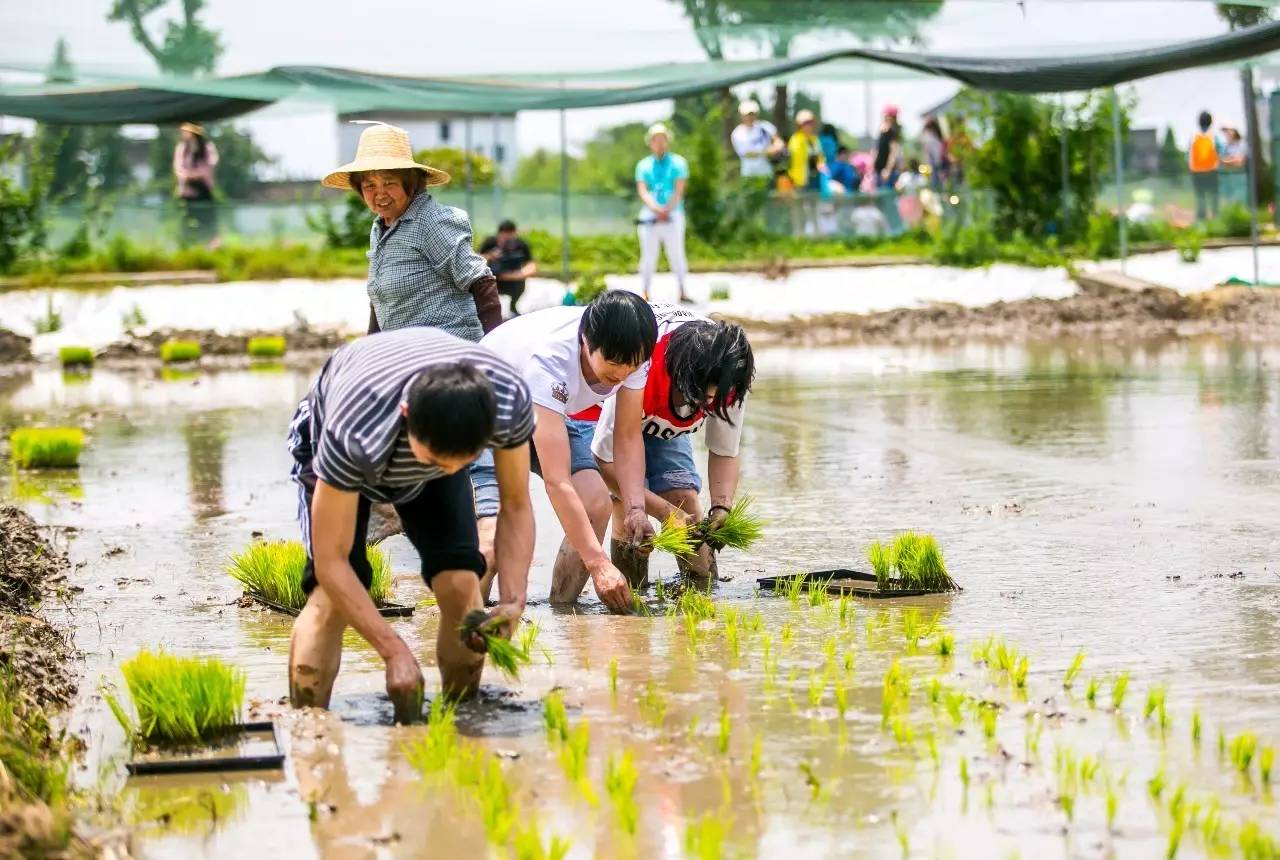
212	343
28	564
1107	313
14	347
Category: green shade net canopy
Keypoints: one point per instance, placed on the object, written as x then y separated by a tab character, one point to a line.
163	100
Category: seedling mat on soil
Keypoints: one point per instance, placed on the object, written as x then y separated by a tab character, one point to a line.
386	610
238	738
843	581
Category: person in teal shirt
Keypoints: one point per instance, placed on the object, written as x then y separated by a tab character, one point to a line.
660	182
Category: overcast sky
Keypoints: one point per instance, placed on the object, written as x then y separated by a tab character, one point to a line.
434	37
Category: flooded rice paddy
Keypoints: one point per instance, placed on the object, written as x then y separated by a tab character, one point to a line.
1115	499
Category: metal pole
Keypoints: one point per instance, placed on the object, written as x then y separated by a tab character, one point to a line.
866	101
1250	130
564	200
1064	131
1119	157
497	185
466	163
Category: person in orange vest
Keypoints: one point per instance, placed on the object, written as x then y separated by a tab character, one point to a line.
1203	159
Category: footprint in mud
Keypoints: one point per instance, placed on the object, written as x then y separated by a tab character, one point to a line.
494	712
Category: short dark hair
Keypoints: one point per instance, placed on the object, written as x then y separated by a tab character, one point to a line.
452	409
621	325
507	226
704	353
842	150
1206	120
412	180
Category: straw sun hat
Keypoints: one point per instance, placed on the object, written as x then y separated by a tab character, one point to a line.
193	127
382	147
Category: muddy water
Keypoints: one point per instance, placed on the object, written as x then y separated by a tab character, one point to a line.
1119	499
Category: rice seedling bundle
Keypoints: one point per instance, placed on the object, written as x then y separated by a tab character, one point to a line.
912	561
173	351
181	700
266	347
46	447
1243	749
75	356
740	529
273	570
675	537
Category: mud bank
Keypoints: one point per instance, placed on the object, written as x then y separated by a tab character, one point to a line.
213	343
1120	314
40	815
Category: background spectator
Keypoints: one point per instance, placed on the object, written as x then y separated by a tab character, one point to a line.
935	152
1202	159
829	140
806	153
660	182
889	149
843	172
510	260
194	160
755	140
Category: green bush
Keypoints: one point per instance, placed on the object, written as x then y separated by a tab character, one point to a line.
1188	243
75	356
173	351
588	287
1233	222
46	447
267	347
453	161
22	215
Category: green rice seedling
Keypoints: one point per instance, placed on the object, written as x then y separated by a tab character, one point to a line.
1119	687
1091	692
848	662
174	351
1155	702
817	687
704	839
732	632
182	700
1255	844
901	730
696	605
1266	762
75	356
675	537
753	622
1019	673
757	755
846	610
811	779
900	830
945	645
1111	802
46	447
794	588
787	633
506	656
726	728
880	557
620	777
1077	663
433	751
919	563
273	570
954	701
740	529
933	691
652	704
1156	785
964	773
1243	749
266	347
912	628
841	694
819	596
895	692
987	716
528	844
931	744
574	757
1196	728
1222	745
554	717
1031	739
613	675
529	634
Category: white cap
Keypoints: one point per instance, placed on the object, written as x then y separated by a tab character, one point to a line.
804	116
655	129
748	106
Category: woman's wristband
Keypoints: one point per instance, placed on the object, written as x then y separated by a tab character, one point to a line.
715	508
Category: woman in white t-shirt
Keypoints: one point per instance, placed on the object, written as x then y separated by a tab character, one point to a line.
574	359
755	141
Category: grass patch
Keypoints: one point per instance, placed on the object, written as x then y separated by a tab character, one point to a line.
273	346
182	700
273	570
46	447
174	351
75	356
740	529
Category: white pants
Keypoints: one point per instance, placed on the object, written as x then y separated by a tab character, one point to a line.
670	234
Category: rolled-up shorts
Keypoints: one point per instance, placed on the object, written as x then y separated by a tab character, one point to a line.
668	465
484	477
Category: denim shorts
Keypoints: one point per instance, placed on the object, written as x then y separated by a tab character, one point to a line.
484	477
668	465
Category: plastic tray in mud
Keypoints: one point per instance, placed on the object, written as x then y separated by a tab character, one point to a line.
386	610
843	581
247	746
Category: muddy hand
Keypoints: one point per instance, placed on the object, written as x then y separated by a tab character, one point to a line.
404	685
715	520
474	623
612	589
637	530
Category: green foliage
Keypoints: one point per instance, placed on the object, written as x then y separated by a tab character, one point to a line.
1073	671
588	288
188	47
1188	244
1173	159
705	190
172	351
1233	222
1017	157
607	165
274	570
22	214
431	752
912	562
454	162
1119	688
704	838
182	700
46	447
267	347
349	229
75	356
32	756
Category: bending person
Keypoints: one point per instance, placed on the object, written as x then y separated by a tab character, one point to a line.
573	359
701	372
397	417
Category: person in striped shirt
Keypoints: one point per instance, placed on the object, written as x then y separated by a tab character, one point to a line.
397	417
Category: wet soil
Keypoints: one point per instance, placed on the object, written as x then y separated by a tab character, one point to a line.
14	347
213	343
1121	314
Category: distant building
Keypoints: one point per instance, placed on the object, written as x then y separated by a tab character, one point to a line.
490	135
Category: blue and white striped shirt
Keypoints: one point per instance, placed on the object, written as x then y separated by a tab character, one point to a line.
349	432
421	268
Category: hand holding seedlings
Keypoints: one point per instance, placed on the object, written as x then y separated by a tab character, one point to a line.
492	633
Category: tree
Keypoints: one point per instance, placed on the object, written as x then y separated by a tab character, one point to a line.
1173	161
1238	18
453	161
187	48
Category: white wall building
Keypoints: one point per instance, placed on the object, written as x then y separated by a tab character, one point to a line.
490	135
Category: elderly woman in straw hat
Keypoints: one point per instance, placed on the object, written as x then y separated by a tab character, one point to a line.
422	268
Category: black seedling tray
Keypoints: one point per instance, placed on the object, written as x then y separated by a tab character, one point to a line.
843	581
213	763
386	610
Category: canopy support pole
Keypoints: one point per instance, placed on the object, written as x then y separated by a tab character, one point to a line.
564	200
466	166
1066	172
1250	131
1119	159
497	168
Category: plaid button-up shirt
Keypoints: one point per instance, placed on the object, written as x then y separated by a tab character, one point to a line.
421	268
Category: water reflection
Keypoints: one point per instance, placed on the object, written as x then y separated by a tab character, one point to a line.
206	435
